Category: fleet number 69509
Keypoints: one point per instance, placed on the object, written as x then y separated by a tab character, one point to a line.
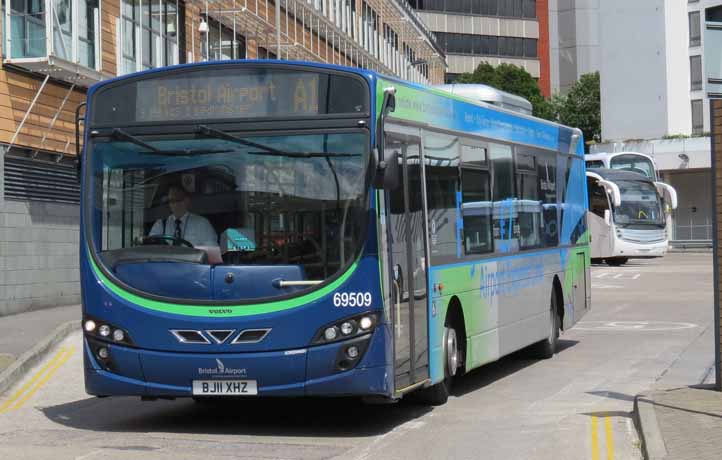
352	299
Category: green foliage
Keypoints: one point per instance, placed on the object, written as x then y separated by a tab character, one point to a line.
512	79
581	107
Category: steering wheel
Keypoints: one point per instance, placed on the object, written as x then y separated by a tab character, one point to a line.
166	239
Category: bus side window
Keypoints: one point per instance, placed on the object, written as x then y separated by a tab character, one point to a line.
504	210
476	205
441	158
577	199
547	175
529	207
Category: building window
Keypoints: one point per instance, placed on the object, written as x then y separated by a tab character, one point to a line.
501	8
263	53
28	31
697	117
695	67
695	38
152	34
713	14
219	43
488	45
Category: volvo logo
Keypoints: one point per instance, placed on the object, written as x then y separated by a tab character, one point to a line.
222	370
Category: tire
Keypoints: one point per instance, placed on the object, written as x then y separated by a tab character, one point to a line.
617	261
546	348
438	394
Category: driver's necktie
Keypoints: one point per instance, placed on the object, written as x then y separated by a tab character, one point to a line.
177	233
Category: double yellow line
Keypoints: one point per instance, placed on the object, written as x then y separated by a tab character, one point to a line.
595	438
37	381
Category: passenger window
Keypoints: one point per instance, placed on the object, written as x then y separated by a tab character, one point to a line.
476	205
504	212
528	206
546	173
441	160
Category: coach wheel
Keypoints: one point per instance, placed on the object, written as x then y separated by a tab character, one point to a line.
617	261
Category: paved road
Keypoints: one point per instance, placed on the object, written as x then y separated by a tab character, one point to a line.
647	316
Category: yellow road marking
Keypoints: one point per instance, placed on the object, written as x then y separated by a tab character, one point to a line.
45	379
595	439
34	379
610	438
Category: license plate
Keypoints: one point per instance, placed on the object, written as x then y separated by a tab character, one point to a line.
224	387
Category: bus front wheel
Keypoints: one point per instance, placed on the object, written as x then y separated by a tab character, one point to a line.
438	394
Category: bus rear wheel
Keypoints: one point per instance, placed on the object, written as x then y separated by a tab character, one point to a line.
617	261
438	394
546	348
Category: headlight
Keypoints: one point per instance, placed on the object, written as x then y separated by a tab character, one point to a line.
347	328
106	331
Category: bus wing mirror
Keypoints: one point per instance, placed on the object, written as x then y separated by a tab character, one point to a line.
384	176
78	146
388	177
668	193
607	217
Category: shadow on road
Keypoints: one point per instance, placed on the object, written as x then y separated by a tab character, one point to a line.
267	417
490	373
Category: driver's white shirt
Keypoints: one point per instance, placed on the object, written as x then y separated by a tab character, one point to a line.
194	228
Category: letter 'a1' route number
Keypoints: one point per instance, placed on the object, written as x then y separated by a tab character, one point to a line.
352	299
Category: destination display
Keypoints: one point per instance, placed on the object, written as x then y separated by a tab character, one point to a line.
231	93
250	95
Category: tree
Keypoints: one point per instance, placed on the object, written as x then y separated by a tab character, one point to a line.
514	80
581	107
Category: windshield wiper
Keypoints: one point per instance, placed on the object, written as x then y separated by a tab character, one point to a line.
208	131
307	154
122	135
211	132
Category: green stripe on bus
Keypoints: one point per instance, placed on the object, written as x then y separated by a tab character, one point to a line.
221	311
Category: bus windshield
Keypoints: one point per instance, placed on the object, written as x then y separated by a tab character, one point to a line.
640	204
634	163
294	202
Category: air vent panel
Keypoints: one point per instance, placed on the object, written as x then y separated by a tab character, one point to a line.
190	336
220	336
251	336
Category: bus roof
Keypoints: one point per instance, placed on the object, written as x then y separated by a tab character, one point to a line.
489	94
605	155
497	124
615	175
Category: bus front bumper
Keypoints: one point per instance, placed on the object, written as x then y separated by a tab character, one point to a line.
638	250
288	373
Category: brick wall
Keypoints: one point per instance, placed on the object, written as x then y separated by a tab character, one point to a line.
716	123
38	254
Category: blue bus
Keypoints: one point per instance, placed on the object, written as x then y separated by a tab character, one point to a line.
274	228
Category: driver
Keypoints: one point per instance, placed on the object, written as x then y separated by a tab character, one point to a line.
182	224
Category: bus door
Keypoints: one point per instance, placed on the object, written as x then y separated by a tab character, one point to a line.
407	252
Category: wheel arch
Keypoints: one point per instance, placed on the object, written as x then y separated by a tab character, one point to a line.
559	293
455	318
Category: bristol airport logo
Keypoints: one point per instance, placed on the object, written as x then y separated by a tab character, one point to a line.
221	370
